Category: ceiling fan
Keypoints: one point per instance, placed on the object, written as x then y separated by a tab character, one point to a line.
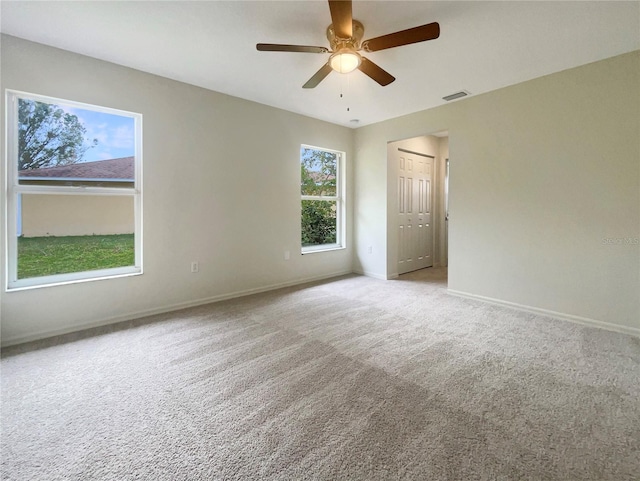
345	38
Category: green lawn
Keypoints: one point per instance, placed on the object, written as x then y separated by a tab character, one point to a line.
44	256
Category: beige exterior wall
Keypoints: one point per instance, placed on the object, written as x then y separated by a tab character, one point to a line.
63	215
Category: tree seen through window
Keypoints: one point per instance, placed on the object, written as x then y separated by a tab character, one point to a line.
320	197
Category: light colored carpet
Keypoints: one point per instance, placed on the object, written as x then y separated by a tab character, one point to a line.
355	379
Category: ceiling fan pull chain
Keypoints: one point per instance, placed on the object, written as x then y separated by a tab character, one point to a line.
348	86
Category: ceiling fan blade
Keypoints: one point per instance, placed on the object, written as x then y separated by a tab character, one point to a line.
422	33
341	17
376	73
276	47
318	77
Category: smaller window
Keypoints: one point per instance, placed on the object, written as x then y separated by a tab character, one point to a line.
322	199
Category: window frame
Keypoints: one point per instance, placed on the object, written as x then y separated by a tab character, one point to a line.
339	198
13	189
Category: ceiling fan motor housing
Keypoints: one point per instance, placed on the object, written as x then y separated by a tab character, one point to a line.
352	43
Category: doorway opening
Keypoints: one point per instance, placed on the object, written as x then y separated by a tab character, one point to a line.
417	235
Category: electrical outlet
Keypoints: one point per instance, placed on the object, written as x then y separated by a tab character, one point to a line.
370	249
195	267
287	255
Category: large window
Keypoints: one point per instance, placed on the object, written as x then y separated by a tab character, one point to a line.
321	187
73	193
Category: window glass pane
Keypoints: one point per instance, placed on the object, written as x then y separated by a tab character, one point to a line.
62	234
319	222
64	145
318	172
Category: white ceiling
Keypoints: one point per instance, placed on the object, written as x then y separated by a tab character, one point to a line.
483	46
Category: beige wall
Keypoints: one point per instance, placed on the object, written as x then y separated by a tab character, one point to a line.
542	174
62	215
220	186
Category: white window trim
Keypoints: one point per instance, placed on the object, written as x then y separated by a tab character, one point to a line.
13	189
339	198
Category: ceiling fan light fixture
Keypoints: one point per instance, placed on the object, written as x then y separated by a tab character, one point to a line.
345	60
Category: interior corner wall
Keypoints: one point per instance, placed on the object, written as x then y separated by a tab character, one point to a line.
221	187
544	192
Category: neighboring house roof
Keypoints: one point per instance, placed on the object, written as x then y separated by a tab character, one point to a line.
118	170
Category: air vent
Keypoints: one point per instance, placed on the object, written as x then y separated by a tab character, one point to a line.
457	95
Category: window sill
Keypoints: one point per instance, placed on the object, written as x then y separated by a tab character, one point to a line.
62	280
323	248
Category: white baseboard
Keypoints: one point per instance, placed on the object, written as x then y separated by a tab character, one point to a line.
163	309
375	275
585	321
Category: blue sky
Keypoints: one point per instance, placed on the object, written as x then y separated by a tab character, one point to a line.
115	134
